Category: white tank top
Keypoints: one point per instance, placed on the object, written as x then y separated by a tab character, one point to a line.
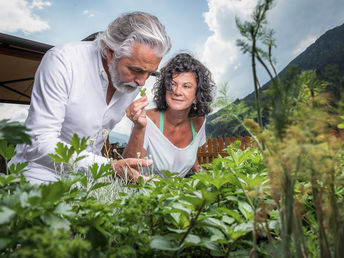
167	156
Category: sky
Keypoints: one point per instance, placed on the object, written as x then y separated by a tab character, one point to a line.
205	28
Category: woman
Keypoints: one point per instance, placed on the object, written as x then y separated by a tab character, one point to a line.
172	132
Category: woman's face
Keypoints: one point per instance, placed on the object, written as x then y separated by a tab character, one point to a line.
183	91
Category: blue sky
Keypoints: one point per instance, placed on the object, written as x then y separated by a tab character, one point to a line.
205	28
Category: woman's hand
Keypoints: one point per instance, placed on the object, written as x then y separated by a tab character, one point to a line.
132	166
136	112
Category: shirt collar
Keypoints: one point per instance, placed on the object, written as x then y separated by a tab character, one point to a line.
102	73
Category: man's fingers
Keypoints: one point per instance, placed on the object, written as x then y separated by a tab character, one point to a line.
135	163
131	164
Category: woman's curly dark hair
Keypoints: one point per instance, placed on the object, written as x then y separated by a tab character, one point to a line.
205	85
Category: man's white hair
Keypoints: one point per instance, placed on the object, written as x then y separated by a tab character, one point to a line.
130	28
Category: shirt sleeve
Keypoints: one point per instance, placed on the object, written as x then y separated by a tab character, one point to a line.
47	110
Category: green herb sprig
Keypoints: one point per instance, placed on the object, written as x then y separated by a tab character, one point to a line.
142	92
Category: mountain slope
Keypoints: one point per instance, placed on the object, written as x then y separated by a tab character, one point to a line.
328	49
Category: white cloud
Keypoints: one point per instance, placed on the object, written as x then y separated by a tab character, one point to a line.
220	53
40	4
297	25
303	45
14	112
18	15
89	14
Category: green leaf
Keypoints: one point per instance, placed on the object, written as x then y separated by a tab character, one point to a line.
13	132
179	231
227	219
80	158
168	174
6	214
64	209
163	243
244	227
18	168
6	150
99	185
140	181
210	245
83	180
8	179
55	158
245	209
94	170
180	207
55	222
53	192
215	223
63	153
99	172
192	239
77	144
195	200
142	91
175	216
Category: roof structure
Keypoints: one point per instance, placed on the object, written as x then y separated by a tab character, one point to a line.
19	59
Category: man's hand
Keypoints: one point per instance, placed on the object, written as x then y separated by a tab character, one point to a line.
136	112
131	165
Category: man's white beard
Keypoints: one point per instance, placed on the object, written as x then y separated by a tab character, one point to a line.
123	87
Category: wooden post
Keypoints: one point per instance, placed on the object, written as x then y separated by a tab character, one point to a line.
247	140
210	150
241	139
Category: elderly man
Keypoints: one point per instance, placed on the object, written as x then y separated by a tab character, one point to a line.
84	88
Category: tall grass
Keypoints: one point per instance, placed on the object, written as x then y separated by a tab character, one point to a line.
299	151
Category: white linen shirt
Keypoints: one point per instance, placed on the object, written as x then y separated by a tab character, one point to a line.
69	96
167	156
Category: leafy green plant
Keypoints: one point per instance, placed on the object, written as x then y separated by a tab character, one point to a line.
298	149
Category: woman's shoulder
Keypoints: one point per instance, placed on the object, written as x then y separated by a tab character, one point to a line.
198	122
154	115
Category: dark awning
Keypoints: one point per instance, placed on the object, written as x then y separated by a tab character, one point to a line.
19	59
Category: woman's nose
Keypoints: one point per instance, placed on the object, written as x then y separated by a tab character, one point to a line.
176	90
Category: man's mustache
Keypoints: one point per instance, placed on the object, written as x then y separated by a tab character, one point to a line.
131	84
